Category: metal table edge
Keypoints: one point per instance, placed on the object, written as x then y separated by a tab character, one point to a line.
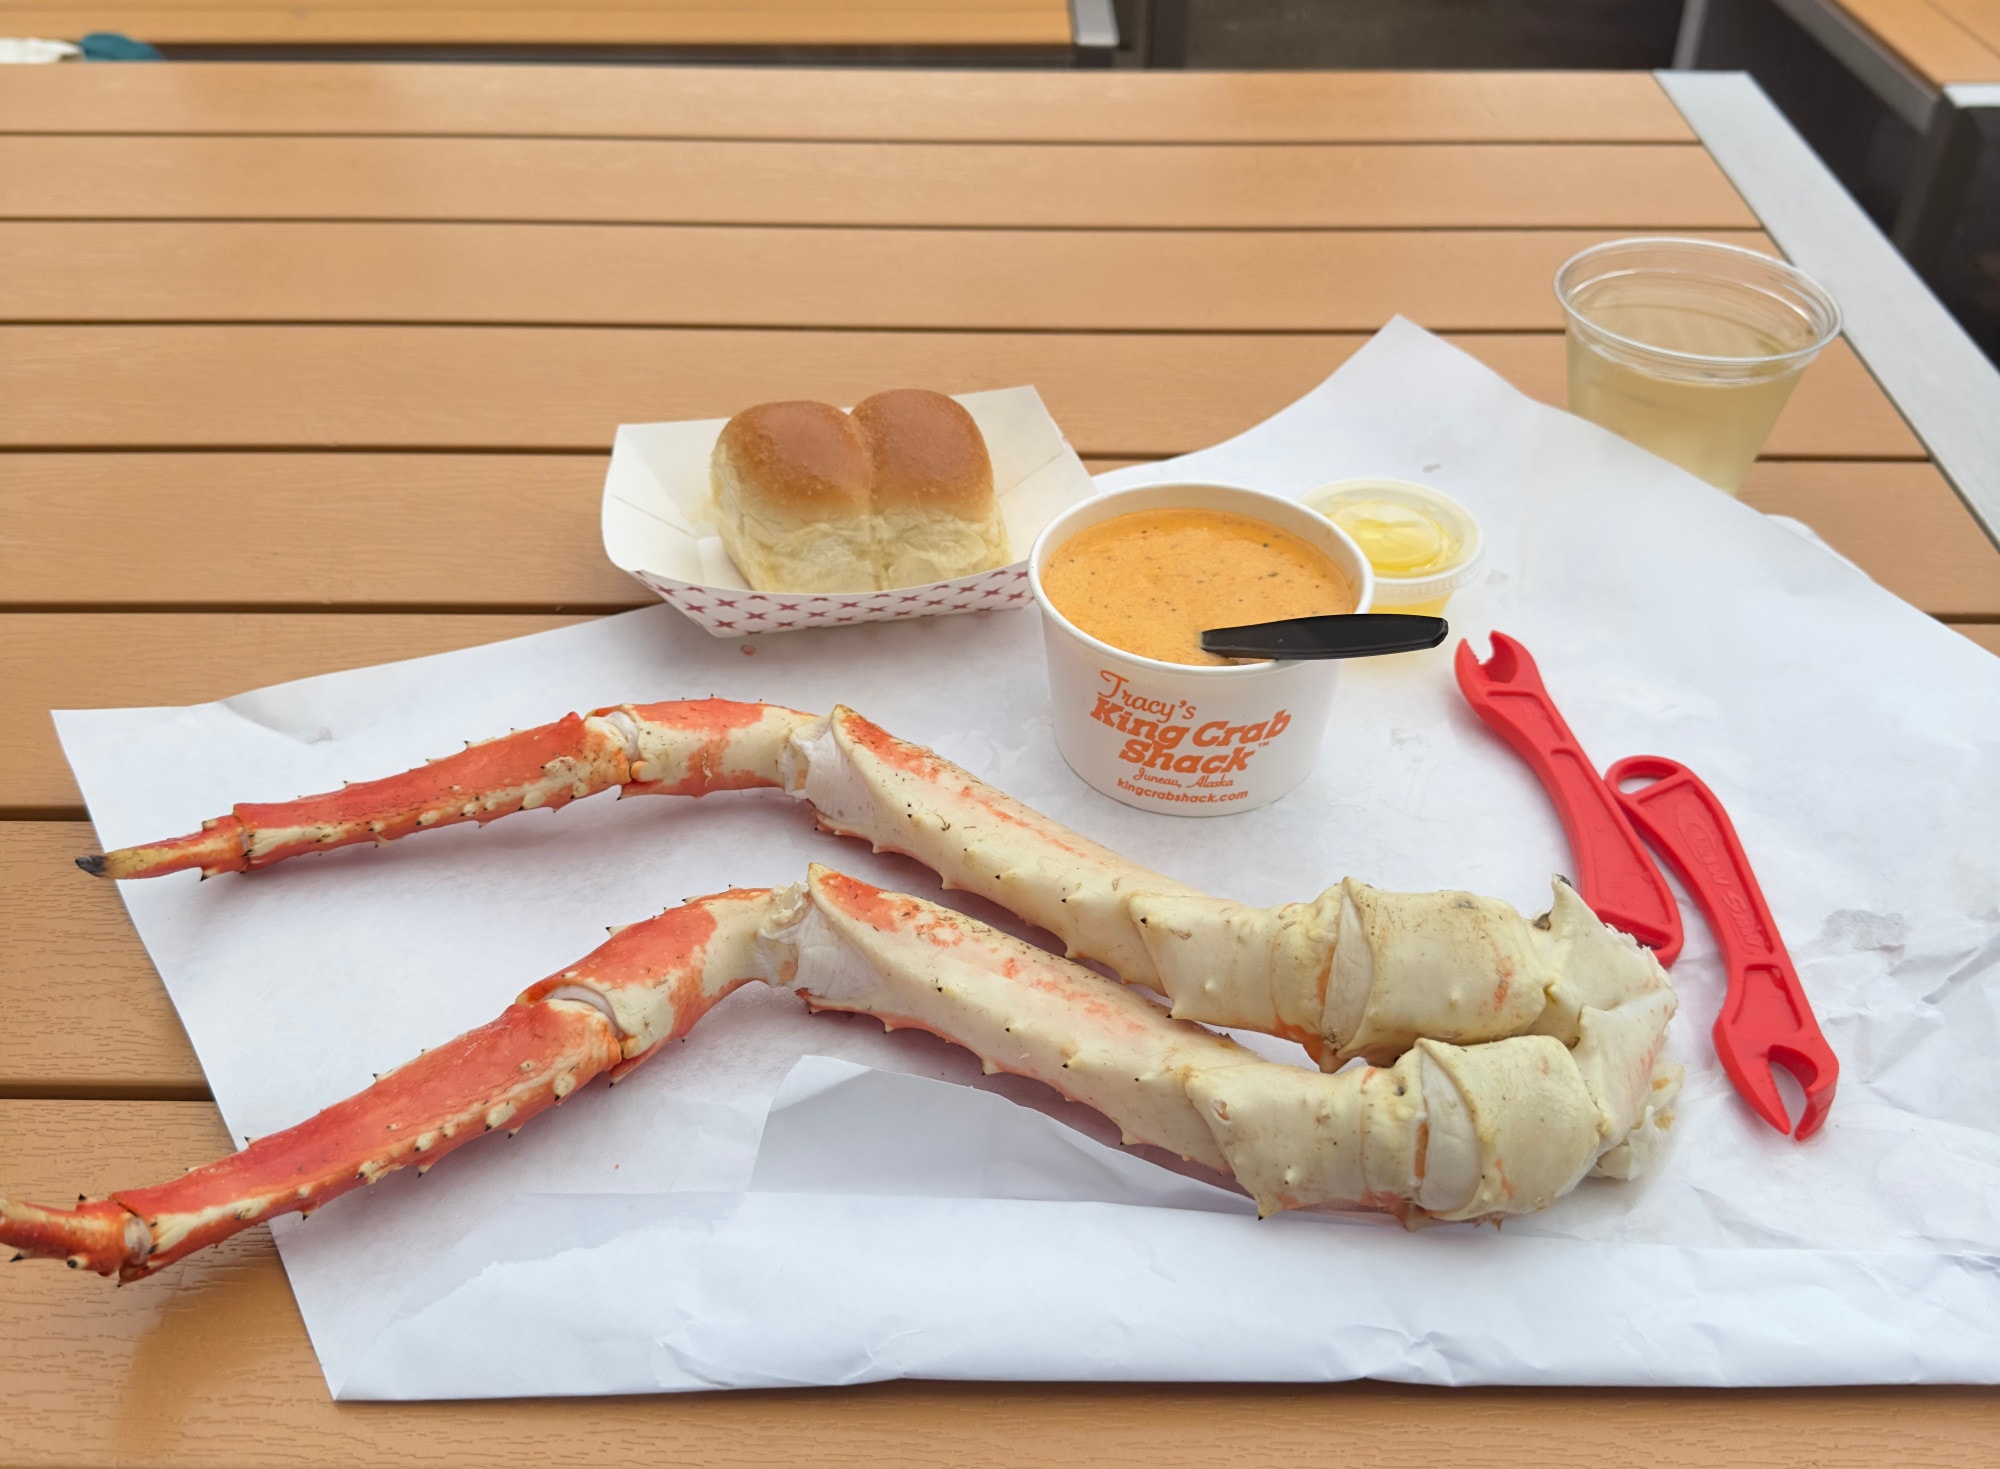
1932	371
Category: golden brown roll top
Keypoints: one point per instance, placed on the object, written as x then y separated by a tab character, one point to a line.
936	517
896	494
791	484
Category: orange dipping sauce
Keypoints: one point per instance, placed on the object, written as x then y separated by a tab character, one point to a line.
1153	581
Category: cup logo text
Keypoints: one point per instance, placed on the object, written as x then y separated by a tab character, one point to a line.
1167	738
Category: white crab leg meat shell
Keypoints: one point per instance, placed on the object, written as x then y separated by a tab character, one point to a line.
902	798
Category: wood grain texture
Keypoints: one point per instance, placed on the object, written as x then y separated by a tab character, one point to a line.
1982	19
1140	343
439	531
740	23
1115	394
1105	186
751	276
209	1366
1930	39
390	531
87	1015
1900	523
88	660
903	104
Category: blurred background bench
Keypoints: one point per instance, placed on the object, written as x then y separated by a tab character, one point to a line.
1902	99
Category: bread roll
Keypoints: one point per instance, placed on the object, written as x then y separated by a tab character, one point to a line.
935	515
898	494
791	498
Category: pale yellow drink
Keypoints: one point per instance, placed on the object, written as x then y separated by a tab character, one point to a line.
1689	348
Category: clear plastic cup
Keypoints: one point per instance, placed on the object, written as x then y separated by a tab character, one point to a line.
1689	348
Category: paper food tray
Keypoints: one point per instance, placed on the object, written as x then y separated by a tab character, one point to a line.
658	527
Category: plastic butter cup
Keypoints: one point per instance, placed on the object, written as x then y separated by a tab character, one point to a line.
1180	738
1422	544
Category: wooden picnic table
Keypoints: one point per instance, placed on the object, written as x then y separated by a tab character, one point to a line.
1040	27
302	368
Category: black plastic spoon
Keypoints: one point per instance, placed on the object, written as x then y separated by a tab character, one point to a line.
1351	635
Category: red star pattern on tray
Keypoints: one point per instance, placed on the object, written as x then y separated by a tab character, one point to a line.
758	612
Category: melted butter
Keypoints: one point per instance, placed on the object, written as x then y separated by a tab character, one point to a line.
1152	581
1398	539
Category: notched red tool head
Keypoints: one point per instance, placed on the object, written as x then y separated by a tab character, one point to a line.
1765	1020
1508	664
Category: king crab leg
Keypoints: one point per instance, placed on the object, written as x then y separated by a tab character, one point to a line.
1465	969
685	748
859	780
1449	1132
646	985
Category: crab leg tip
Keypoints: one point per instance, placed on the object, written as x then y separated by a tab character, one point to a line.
93	864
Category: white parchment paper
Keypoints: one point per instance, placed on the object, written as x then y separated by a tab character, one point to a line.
900	1220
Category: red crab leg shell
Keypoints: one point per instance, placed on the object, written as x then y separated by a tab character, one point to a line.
548	766
686	748
216	848
560	1034
499	1075
95	1235
656	979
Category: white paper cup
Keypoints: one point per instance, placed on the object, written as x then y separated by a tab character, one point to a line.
1189	739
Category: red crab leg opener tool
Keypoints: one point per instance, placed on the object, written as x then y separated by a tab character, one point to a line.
1615	876
1765	1020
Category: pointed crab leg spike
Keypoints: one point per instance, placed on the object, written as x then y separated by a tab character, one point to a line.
506	1071
648	984
100	1235
216	848
686	748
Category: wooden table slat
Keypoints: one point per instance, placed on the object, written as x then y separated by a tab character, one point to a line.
1105	186
559	388
1934	43
87	1015
101	530
280	25
1900	523
691	275
1982	19
50	661
744	102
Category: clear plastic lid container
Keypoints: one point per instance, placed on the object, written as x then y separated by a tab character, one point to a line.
1422	544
